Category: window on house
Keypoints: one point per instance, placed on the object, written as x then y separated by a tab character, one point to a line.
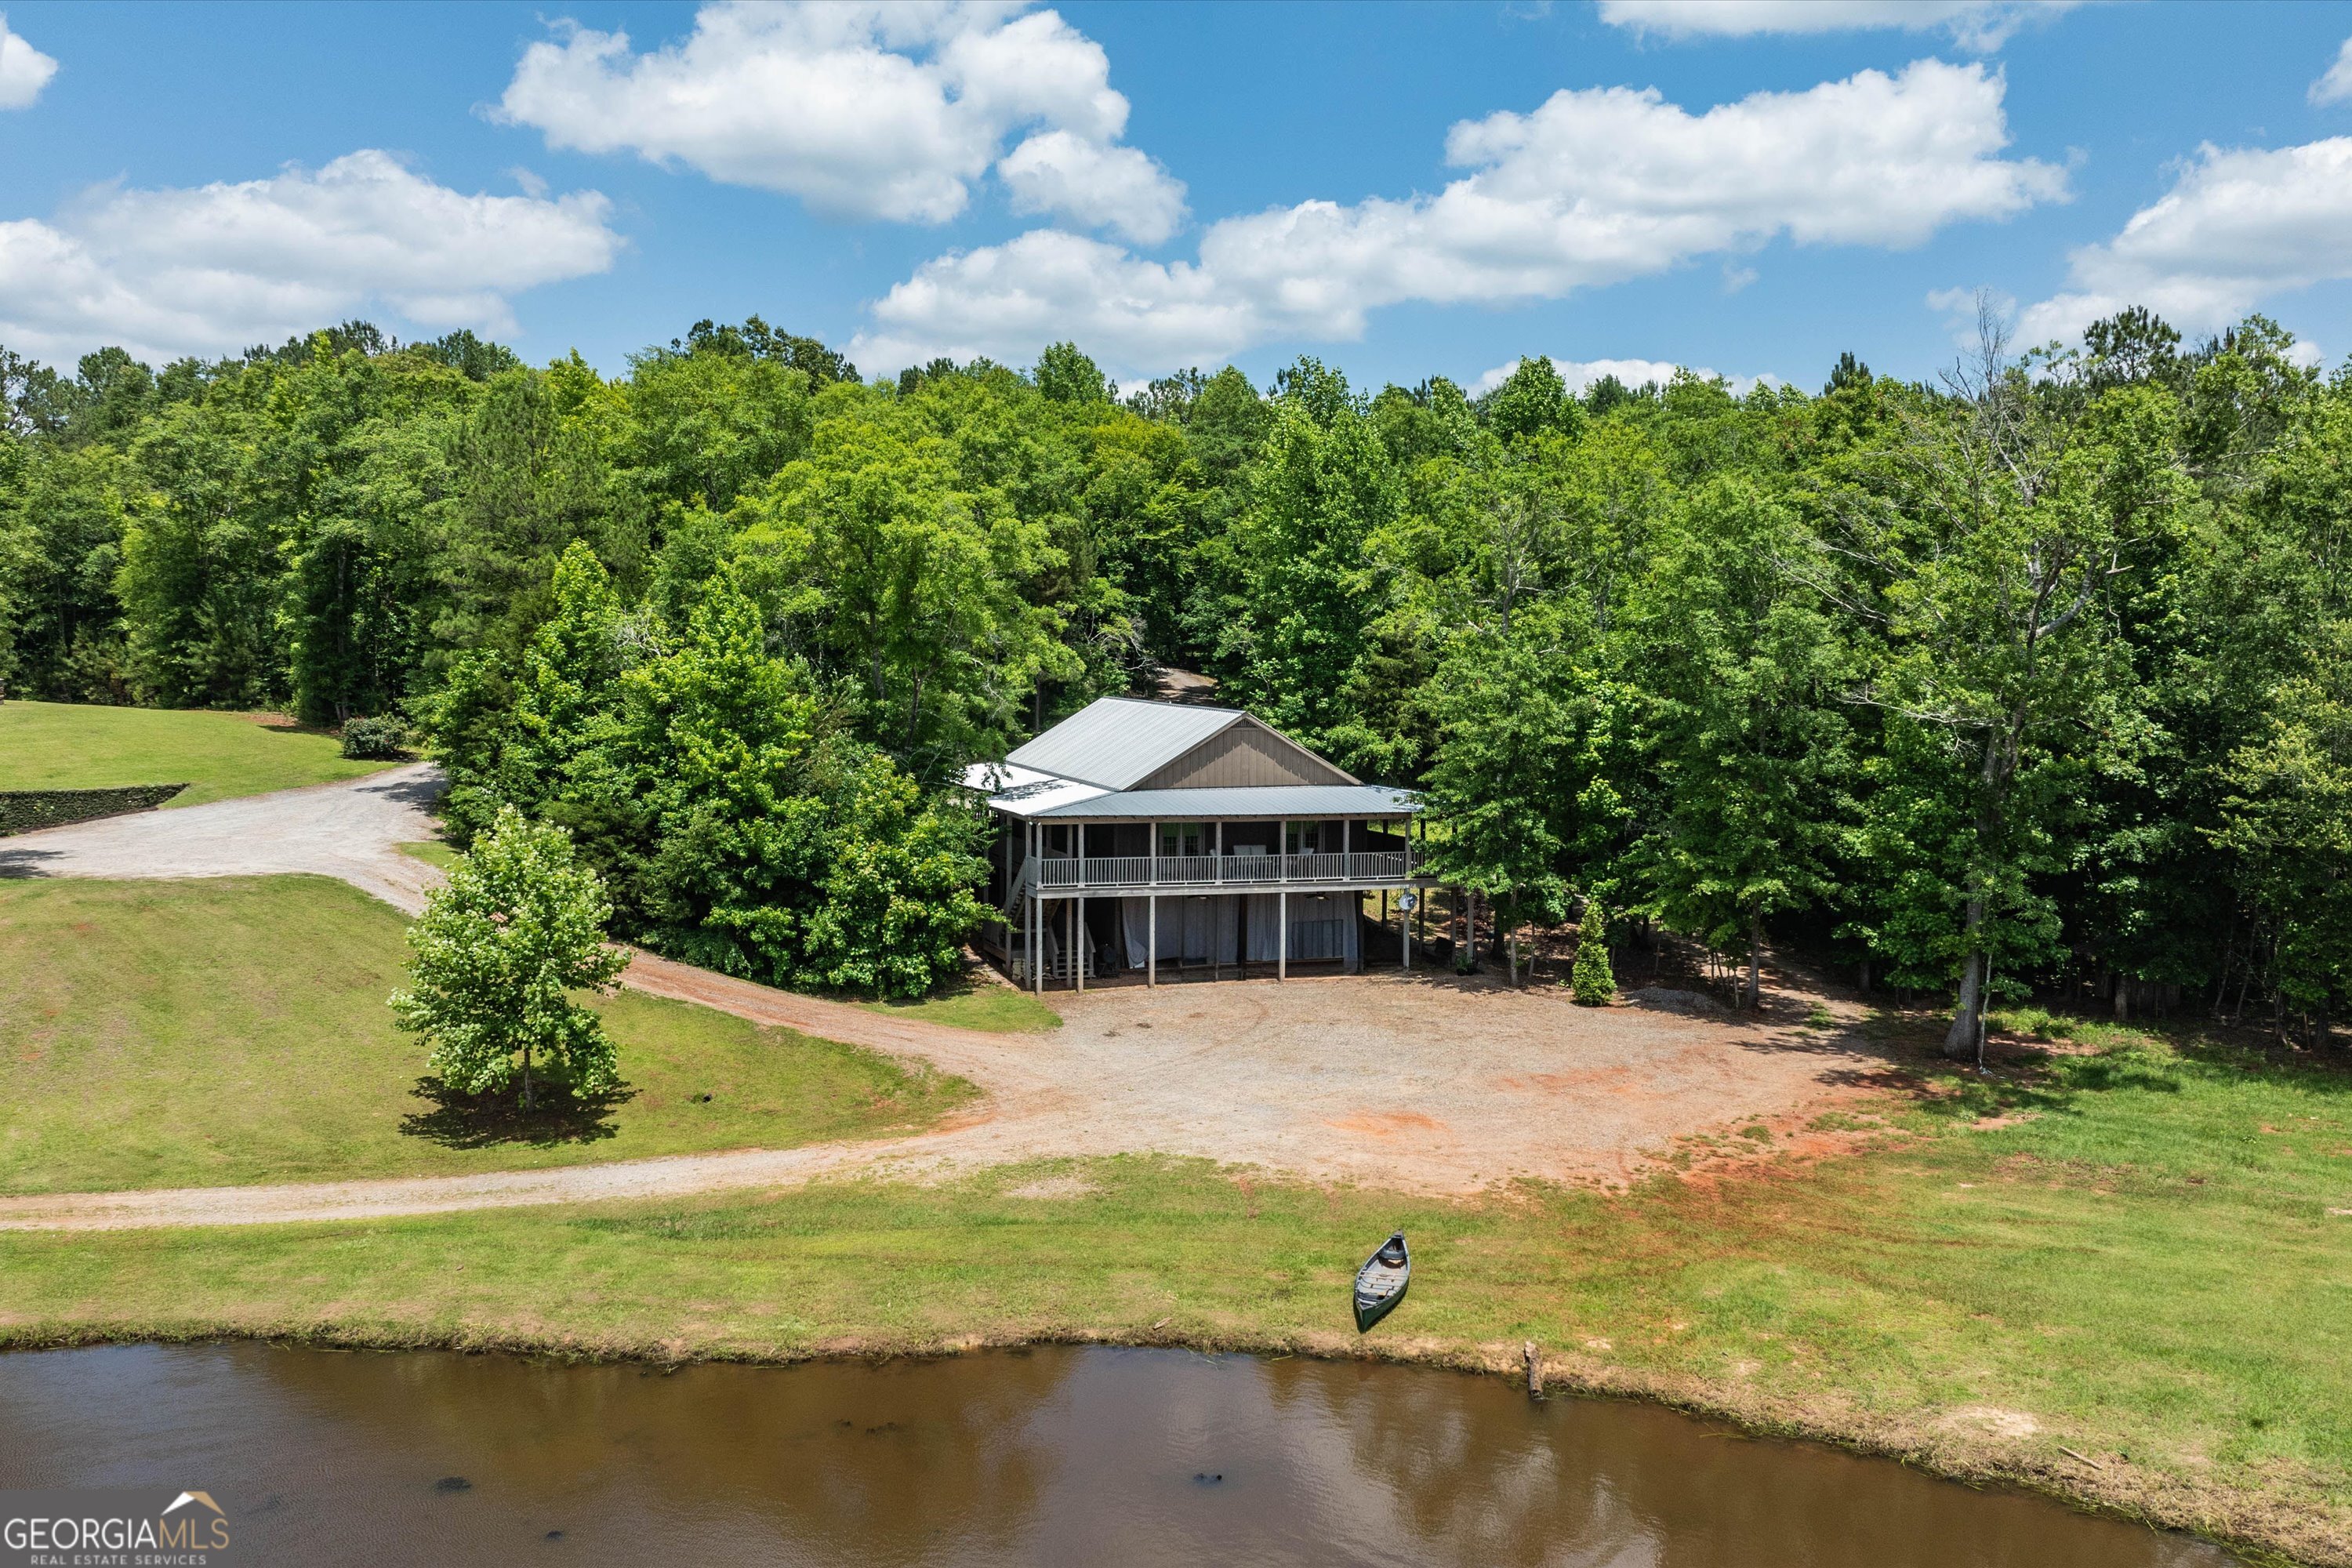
1304	838
1180	839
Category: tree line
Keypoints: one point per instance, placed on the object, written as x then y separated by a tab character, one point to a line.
2029	676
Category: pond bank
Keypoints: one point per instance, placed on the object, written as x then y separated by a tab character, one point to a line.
1056	1454
1854	1301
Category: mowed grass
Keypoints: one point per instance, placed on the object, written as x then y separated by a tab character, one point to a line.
2130	1254
59	745
978	1004
235	1030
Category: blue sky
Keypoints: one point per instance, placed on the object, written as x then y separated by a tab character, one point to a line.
1176	183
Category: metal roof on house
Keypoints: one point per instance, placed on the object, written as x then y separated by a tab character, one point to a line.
1042	798
1296	803
999	778
1113	742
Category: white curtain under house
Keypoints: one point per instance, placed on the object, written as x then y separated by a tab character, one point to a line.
1206	930
1192	930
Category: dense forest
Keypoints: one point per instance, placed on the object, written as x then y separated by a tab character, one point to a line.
2034	677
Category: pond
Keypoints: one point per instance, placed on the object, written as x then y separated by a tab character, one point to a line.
1078	1455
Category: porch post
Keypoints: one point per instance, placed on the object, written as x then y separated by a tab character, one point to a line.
1412	868
1151	944
1282	934
1078	928
1216	948
1154	848
1281	849
1036	914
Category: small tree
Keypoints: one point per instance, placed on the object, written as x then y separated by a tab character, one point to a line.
1594	982
498	953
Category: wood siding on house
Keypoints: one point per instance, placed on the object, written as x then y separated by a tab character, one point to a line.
1245	754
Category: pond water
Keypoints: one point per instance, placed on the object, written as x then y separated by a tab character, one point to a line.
1055	1455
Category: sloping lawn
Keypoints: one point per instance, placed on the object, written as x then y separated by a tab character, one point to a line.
967	1003
235	1030
61	745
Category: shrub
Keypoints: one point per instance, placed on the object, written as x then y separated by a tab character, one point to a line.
26	810
1593	983
381	739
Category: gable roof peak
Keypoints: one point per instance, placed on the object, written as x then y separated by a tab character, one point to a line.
1115	743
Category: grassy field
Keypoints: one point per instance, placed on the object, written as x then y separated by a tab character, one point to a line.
2134	1252
235	1030
431	851
57	745
977	1004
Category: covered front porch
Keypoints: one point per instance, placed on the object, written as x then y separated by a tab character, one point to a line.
1105	901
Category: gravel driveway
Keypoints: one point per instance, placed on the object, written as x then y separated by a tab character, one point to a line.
351	830
1417	1082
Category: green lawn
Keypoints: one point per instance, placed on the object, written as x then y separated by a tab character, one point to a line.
172	1034
57	745
431	851
977	1004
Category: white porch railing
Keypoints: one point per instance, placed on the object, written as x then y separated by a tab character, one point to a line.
1196	871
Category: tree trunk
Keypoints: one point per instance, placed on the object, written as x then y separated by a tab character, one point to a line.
1515	956
1864	987
1960	1039
526	1080
2323	1027
1755	957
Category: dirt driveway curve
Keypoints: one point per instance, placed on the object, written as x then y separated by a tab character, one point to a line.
1416	1082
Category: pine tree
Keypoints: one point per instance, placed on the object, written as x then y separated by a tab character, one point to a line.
1594	983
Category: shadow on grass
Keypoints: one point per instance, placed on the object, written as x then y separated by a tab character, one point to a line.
2056	1064
970	1000
558	1116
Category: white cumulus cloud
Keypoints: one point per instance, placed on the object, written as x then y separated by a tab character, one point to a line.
24	69
1009	300
2239	226
218	267
1981	24
873	111
1592	187
1111	187
1580	374
2334	87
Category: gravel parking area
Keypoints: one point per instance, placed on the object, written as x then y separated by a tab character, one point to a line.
1435	1084
351	830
